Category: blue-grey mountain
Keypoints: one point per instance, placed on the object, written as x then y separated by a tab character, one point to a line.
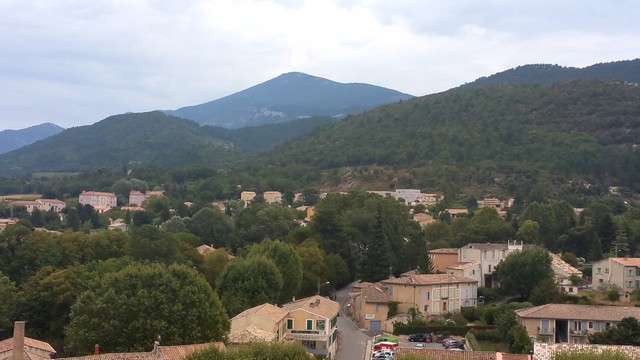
15	139
288	97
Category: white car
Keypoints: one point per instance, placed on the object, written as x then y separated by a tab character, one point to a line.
419	346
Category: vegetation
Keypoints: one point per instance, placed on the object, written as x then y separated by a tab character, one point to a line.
626	332
591	355
257	351
522	271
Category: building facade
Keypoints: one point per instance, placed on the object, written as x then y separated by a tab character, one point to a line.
442	258
97	198
489	255
621	272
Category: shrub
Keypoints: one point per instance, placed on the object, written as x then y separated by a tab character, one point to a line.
472	342
492	335
591	355
471	313
613	294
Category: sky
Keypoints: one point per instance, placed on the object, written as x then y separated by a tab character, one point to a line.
76	62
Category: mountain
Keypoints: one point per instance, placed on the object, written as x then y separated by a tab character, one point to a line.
152	138
499	136
627	70
14	139
287	97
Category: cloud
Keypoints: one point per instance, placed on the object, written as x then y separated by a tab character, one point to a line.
75	62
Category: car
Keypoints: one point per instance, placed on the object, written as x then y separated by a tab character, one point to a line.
418	337
419	346
452	343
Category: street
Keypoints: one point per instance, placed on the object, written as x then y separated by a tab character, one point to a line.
351	342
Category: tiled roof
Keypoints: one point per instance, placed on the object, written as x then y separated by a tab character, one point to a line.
176	352
315	304
374	294
361	285
556	261
7	344
444	251
267	310
429	279
51	201
205	249
463	265
627	261
486	246
97	193
579	312
251	334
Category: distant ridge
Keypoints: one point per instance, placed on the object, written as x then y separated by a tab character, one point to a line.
626	70
15	139
288	97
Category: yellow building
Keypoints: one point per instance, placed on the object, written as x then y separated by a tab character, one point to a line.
370	307
441	259
432	294
247	196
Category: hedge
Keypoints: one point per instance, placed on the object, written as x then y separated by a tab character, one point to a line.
472	343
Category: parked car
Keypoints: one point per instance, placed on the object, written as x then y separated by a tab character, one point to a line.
453	343
419	346
418	337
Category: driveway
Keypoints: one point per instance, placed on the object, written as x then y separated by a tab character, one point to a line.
352	342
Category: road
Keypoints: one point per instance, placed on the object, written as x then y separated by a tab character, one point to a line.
352	342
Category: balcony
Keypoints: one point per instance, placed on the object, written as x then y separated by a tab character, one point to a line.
545	331
574	332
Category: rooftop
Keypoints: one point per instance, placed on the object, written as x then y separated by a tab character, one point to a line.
267	310
579	312
429	279
444	251
374	294
176	352
486	246
315	304
627	261
463	265
557	262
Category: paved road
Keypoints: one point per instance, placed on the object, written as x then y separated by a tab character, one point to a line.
352	342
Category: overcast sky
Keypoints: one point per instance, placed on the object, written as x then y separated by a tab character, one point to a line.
75	62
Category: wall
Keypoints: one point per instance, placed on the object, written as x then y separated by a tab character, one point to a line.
543	351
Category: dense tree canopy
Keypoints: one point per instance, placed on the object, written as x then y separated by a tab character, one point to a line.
522	270
288	262
127	309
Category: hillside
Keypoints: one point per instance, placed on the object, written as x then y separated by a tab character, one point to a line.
122	140
288	97
15	139
508	135
628	70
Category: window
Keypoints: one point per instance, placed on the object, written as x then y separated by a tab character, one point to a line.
598	270
457	293
309	324
629	284
451	293
436	294
289	324
428	295
544	325
630	272
426	309
570	289
590	324
390	289
473	272
320	324
437	308
577	325
489	268
309	344
376	308
606	271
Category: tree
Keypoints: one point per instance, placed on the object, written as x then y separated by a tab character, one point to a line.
248	283
545	292
142	217
529	232
212	226
376	264
339	274
288	262
314	267
72	220
626	332
519	341
522	270
147	242
141	302
174	225
8	305
213	265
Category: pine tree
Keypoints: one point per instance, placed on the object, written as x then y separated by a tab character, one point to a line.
595	253
376	264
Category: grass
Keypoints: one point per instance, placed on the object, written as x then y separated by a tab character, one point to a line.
491	346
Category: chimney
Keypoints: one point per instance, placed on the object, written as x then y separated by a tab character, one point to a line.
18	340
96	349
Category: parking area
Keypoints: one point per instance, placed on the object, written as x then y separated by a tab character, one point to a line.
412	345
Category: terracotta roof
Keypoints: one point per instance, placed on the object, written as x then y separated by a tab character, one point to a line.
205	249
7	344
361	285
463	265
444	251
579	312
251	334
267	310
429	279
23	203
51	201
456	211
315	304
627	261
97	193
375	294
486	246
176	352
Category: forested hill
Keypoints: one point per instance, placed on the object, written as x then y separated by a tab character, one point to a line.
15	139
584	129
122	140
628	70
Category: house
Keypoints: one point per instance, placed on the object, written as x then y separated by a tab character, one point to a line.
137	197
313	322
423	219
562	271
489	255
43	205
429	199
370	307
6	222
271	197
118	224
264	322
247	196
570	323
97	198
308	210
431	294
456	213
410	196
622	272
20	347
467	269
496	203
441	259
